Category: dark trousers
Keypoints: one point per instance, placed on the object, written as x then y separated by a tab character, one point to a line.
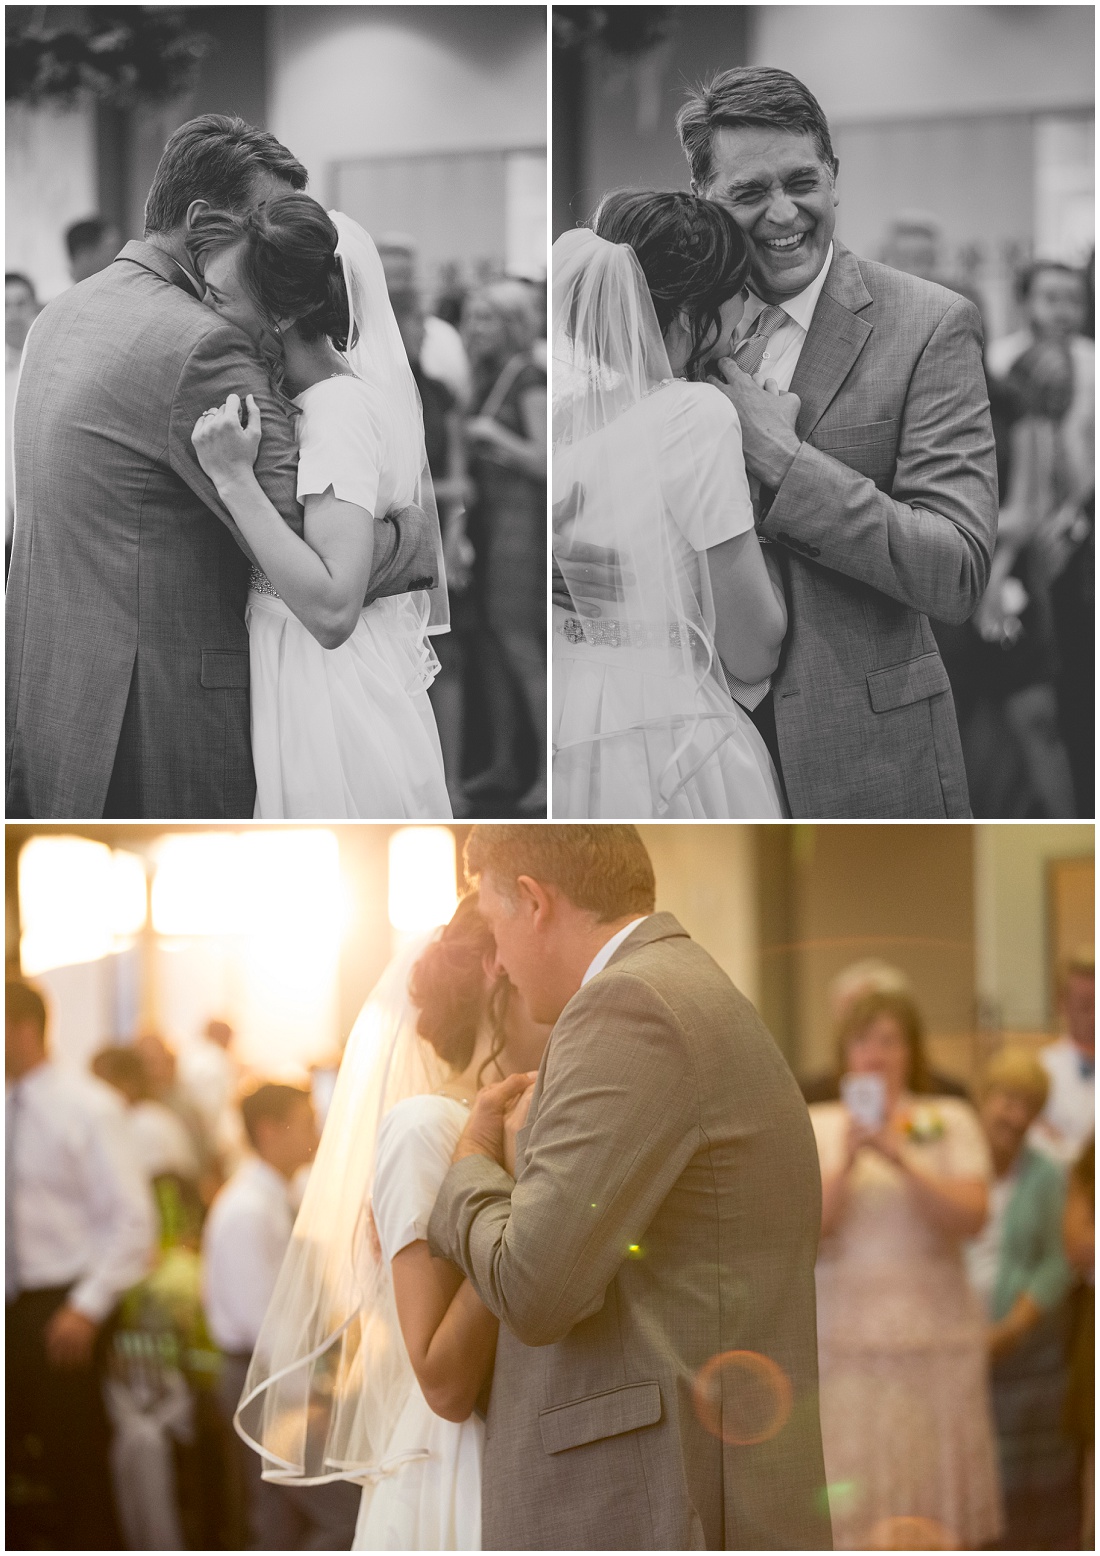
285	1518
58	1438
763	716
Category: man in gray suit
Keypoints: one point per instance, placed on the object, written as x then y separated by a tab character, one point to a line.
664	1214
127	652
881	500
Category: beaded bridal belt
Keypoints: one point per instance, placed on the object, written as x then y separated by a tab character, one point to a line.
260	583
602	632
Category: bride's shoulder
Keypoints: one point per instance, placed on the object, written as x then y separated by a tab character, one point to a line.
696	406
424	1115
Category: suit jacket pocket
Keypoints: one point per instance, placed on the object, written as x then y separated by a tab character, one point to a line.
600	1415
871	448
899	685
224	670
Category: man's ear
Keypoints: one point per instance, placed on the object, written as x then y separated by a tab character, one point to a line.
536	900
193	210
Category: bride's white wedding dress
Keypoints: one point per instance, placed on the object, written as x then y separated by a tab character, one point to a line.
430	1499
643	726
348	731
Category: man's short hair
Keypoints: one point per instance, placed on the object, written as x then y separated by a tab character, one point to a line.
22	1002
87	234
1081	964
1027	277
1017	1069
122	1068
215	158
603	869
17	278
273	1102
749	95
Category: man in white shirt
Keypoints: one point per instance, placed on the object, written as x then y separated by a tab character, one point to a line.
79	1231
442	354
244	1240
1068	1120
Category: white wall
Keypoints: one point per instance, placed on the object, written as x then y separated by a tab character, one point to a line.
1010	916
50	182
354	81
906	61
706	876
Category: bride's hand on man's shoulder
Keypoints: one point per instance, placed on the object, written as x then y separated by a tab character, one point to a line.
224	445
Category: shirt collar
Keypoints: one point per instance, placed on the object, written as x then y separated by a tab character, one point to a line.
799	308
608	949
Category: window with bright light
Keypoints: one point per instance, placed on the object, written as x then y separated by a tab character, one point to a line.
423	890
78	901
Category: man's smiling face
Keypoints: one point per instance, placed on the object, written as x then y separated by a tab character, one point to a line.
782	196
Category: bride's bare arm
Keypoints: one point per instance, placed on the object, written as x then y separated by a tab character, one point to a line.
323	578
749	608
449	1334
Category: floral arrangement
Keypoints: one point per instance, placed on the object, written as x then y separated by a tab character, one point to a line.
120	55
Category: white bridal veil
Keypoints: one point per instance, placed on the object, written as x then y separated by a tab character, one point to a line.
611	476
377	354
330	1376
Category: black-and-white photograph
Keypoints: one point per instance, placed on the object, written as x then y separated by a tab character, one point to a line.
823	410
276	411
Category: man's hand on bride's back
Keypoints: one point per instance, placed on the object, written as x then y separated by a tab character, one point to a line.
484	1131
225	444
595	571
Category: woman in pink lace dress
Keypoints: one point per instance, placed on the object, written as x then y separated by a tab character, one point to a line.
910	1452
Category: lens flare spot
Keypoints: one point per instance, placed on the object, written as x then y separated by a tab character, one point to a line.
635	1251
909	1533
742	1397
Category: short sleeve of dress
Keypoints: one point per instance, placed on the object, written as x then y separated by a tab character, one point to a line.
829	1120
966	1153
341	442
416	1140
703	464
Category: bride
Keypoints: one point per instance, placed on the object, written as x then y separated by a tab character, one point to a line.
373	1353
648	473
341	722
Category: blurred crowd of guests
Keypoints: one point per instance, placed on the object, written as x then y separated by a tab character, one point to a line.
148	1205
479	356
955	1280
1022	670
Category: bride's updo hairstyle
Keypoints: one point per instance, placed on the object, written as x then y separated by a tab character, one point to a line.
288	263
693	255
447	985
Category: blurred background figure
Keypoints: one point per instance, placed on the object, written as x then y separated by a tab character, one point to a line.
848	988
246	1235
1079	1228
441	355
506	442
1067	1120
1018	1268
210	1076
20	309
79	1231
905	1416
92	244
161	1143
161	1066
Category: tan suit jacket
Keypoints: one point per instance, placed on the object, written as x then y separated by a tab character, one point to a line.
666	1210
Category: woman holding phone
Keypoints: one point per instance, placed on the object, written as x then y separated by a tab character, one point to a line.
906	1425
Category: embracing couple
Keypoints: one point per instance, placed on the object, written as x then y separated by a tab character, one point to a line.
773	463
552	1282
222	510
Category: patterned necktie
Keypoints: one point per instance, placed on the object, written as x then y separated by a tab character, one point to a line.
750	353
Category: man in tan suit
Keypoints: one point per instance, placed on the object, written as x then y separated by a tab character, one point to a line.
664	1212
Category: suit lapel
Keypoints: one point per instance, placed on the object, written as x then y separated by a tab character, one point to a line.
835	339
161	264
658	926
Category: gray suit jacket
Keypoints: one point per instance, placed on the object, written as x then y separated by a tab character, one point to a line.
666	1210
127	652
887	516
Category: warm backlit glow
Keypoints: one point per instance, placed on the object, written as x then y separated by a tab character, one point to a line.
78	902
423	878
197	887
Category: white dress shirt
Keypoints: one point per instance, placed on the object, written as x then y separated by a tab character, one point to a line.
79	1206
607	951
785	345
246	1235
1063	1127
443	356
161	1142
